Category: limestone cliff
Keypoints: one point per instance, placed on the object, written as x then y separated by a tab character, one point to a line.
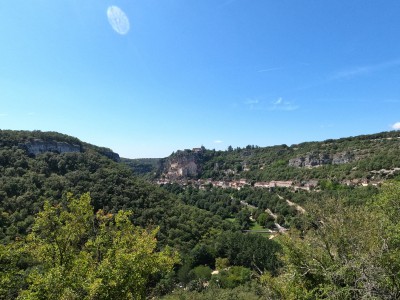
37	146
318	159
182	164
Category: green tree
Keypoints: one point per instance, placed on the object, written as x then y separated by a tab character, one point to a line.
243	218
262	219
388	204
13	261
80	255
232	277
202	273
249	250
349	252
221	263
266	220
202	255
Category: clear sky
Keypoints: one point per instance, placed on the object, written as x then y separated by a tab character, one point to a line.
155	76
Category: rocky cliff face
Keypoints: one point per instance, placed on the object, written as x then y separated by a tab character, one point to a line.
182	164
318	159
37	146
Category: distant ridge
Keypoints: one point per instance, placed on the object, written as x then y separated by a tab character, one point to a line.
363	158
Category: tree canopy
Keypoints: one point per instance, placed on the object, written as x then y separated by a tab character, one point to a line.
75	253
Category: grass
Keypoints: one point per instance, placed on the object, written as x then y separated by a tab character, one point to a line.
256	226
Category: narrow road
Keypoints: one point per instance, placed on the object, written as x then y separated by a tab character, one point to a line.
268	211
248	205
296	206
275	216
280	228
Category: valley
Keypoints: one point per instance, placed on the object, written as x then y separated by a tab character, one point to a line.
273	222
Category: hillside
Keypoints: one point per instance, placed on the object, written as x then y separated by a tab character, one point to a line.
37	166
353	160
60	195
143	166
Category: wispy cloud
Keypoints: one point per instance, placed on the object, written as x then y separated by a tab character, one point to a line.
396	126
218	142
283	105
251	102
364	70
277	105
269	70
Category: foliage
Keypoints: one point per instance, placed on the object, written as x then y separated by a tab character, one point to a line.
215	200
202	273
249	250
352	252
27	180
232	277
252	291
144	166
14	261
346	245
231	249
79	255
221	263
243	219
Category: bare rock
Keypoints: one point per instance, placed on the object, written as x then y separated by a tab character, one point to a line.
37	146
319	159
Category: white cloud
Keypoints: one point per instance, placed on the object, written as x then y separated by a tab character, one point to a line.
283	105
218	142
269	70
396	126
252	102
363	70
277	102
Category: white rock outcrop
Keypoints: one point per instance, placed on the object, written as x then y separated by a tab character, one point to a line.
38	146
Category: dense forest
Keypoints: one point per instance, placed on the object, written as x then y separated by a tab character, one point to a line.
78	223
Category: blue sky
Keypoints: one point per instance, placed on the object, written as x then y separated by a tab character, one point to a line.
191	73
